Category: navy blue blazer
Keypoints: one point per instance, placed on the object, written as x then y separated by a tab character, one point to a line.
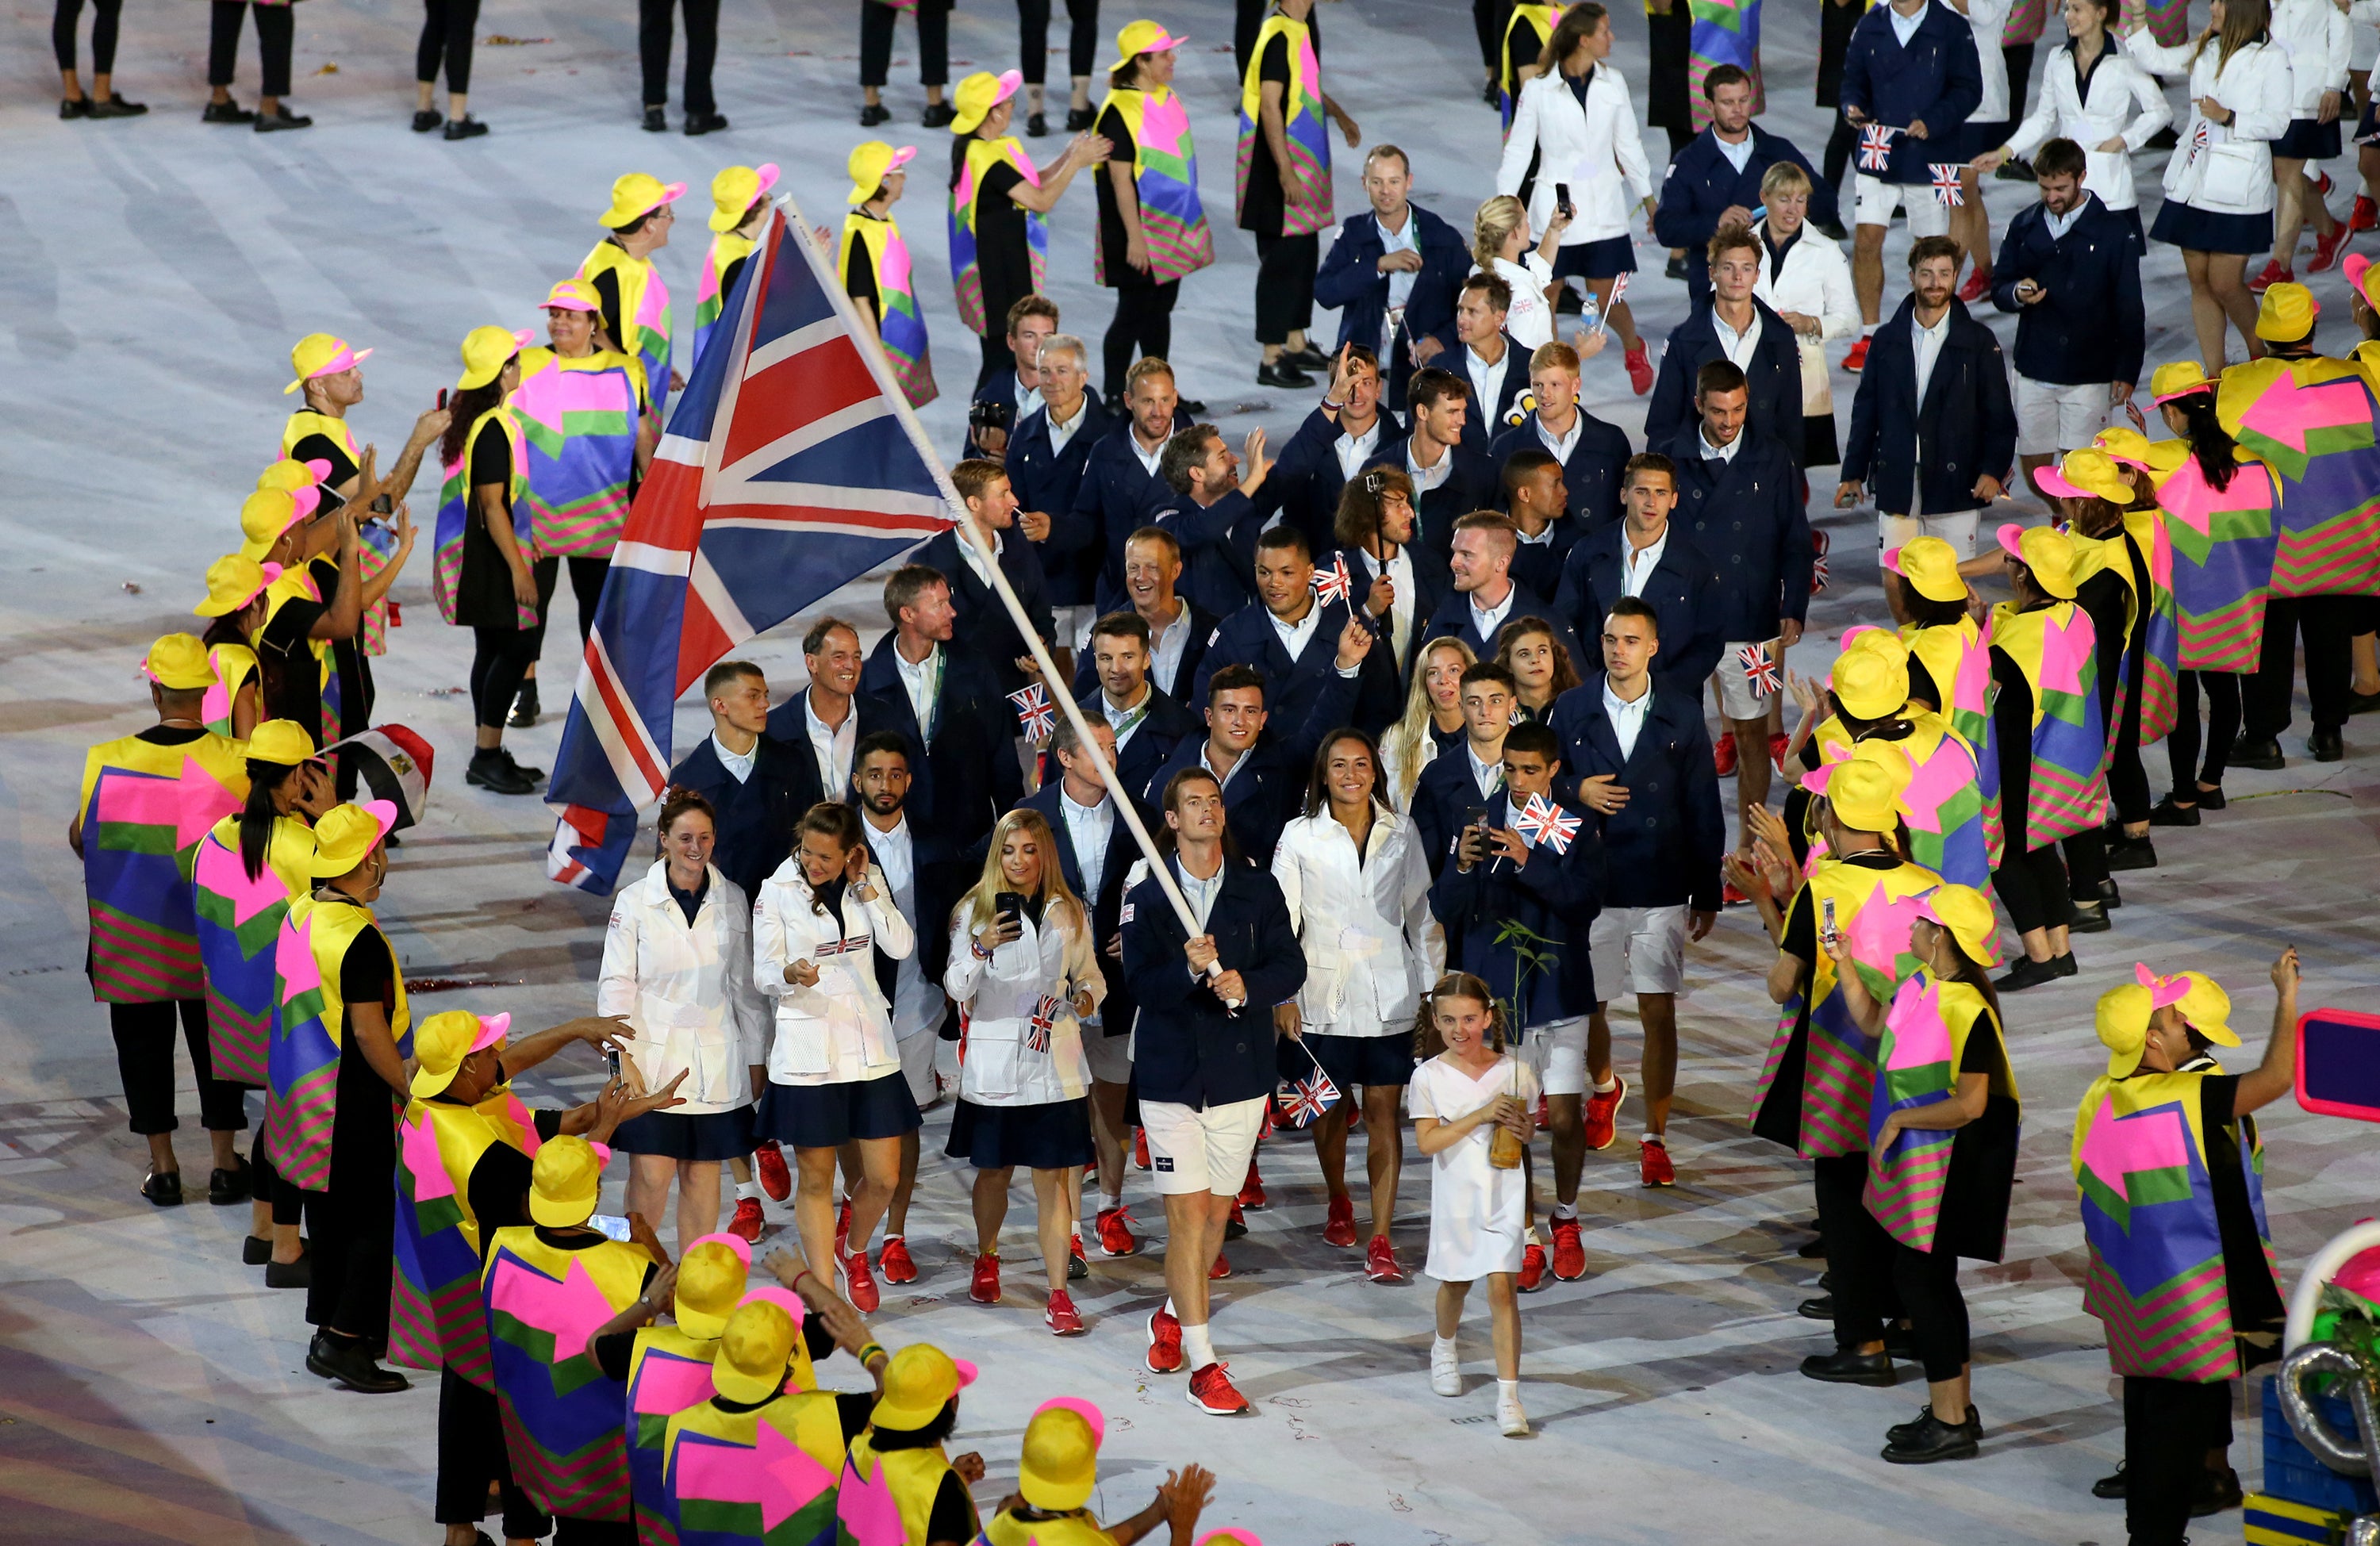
2089	328
1746	514
1442	796
1306	481
1592	474
1470	485
1350	279
960	785
1190	1050
1680	590
1168	725
1106	907
1117	496
943	875
1538	565
1218	550
1513	401
1185	670
1702	184
1265	792
1048	481
1661	849
789	724
1297	691
1967	422
1774	401
984	628
1453	620
1936	80
757	817
999	386
1431	582
1556	896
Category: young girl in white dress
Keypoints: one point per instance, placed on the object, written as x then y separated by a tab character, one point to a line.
1466	1087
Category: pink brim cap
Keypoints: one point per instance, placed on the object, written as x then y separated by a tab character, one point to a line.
2053	482
967	1373
1991	946
2162	990
603	1150
2192	390
767	174
737	1243
901	158
783	1299
317	465
1893	559
308	501
1852	634
345	359
671	194
383	813
2011	539
1086	1409
491	1031
1008	81
1166	42
271	572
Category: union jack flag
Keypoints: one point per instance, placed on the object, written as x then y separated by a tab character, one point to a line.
791	466
2198	138
1876	146
1045	1015
1302	1101
1759	670
1542	821
1819	543
851	945
1034	715
1946	183
1334	583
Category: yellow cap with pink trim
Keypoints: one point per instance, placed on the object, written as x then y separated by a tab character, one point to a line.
321	354
735	190
635	194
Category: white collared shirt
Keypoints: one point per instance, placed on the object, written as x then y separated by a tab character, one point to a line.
1028	401
1485	380
916	1003
1627	718
738	764
1401	284
1637	566
922	680
1355	450
1427	478
1739	154
1149	459
1485	777
1199	894
974	558
1295	636
1737	346
1562	446
832	747
1165	666
1399	572
1222	780
1127	720
1484	620
1717	453
1905	27
1061	433
1089	827
2060	223
1929	345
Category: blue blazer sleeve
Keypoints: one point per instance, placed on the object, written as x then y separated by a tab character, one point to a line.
1349	271
1855	93
1672	405
1570	883
1153	962
1859	443
1705	823
2000	413
1709	642
1574	598
2132	322
1962	88
1793	553
1678	220
2012	268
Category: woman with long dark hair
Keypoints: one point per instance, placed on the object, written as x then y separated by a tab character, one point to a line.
1540	662
234	608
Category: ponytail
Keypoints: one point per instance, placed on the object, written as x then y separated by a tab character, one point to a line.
2216	453
256	817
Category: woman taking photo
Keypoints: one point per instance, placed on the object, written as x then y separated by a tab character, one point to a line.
999	205
2093	93
2219	183
834	1073
1153	231
1539	663
1576	116
677	964
1432	722
1806	281
485	574
1025	971
1500	246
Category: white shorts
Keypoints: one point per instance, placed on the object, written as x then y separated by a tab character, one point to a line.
917	1067
1736	698
2052	419
1957	528
1637	949
1109	1057
1928	216
1191	1150
1556	1052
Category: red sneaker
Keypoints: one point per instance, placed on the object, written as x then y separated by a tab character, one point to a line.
1165	1355
842	1226
2366	215
1723	753
1222	1267
2326	250
2271	275
769	1167
1778	742
1856	361
1252	1191
1654	1165
1140	1148
1380	1262
2323	187
984	1287
1212	1393
748	1221
892	1262
1570	1256
1078	1265
1533	1268
859	1283
1062	1317
1978	286
1602	1113
1732	894
1339	1227
1116	1238
1640	368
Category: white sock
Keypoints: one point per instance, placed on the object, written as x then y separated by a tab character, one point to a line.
1531	1237
1508	1390
1443	1345
1867	329
1197	1348
747	1189
1115	1198
1604	1087
1565	1212
1656	1138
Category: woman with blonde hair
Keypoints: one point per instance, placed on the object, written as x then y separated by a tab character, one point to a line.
1025	972
1432	720
1500	246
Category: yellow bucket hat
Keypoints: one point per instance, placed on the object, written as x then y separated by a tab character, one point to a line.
283	742
348	834
1142	37
1930	567
234	581
572	295
2206	1008
2123	1016
268	513
2286	313
178	662
918	1383
1968	914
638	193
735	190
978	94
2088	473
442	1041
1060	1460
485	352
710	1284
565	1182
320	353
2178	379
2045	551
1871	677
756	1348
870	164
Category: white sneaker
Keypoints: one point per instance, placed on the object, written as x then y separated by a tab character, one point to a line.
1508	1417
1445	1368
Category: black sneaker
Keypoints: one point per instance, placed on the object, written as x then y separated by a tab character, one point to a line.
2090	917
1820	1309
2114	1486
2016	169
227	1186
524	706
2211	799
2109	895
874	112
1902	1430
656	121
1307	358
2164	813
2132	853
705	123
2217	1493
350	1363
117	107
2362	703
1080	118
255	1251
1843	1367
465	128
938	115
290	1274
426	120
1037	125
2027	972
531	774
2066	965
2264	753
74	107
1284	375
494	771
163	1188
1935	1439
226	113
282	118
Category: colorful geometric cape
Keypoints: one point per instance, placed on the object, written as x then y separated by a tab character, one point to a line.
1165	177
2057	651
302	1064
1307	206
1918	1060
2312	421
144	808
764	1478
967	273
1958	658
238	926
455	514
887	1500
434	1316
2222	542
710	295
1725	32
668	1372
561	1415
577	420
1526	32
234	665
644	310
900	326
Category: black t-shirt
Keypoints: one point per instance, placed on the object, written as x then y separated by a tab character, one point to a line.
368	973
2257	1312
727	277
491	459
1262	208
954	1516
1113	237
1923	686
607	293
859	277
170	736
498	1188
292	679
1003	254
320	447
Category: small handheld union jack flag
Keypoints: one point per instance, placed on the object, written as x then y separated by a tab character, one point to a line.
1876	146
851	945
1542	821
1303	1100
2198	138
1045	1015
1759	670
1334	583
1946	183
1034	714
1819	543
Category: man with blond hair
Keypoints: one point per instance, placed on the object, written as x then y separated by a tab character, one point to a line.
1591	452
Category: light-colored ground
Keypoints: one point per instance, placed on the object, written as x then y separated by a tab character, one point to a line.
152	275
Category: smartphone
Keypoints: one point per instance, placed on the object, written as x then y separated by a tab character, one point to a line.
1561	200
442	397
383	505
1827	935
1009	905
612	1063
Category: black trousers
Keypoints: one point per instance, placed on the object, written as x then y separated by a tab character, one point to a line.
104	15
2168	1426
354	1220
594	1532
1839	146
1033	38
447	28
500	660
2086	863
276	32
2328	624
933	41
2032	886
1489	18
144	1057
1927	1282
266	1181
1142	326
654	31
1285	285
1859	1253
470	1456
2018	58
2222	728
586	576
2128	781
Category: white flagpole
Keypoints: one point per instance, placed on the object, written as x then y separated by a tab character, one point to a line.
1063	700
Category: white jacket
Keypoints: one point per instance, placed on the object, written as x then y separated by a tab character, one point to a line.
2320	41
1052	959
1530	322
1816	283
1372	943
1987	19
686	990
839	1032
2232	173
2118	88
1594	150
